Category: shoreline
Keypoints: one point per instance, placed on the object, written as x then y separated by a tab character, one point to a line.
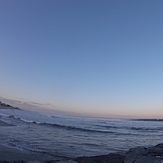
10	154
153	154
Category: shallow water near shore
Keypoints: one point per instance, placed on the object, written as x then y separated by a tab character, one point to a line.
71	137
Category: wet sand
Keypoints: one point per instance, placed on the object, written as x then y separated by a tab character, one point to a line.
139	154
14	154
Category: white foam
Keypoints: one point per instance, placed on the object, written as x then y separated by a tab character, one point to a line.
4	115
25	120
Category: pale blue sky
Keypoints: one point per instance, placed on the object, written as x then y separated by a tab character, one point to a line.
101	57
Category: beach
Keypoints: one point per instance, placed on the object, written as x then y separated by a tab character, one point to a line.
13	154
152	154
30	136
135	155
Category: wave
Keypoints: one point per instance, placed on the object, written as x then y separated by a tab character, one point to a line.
75	128
4	115
59	125
107	127
102	129
22	119
130	128
143	129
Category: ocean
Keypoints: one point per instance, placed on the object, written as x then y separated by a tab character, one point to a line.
71	137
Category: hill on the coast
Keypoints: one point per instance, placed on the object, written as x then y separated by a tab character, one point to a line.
7	106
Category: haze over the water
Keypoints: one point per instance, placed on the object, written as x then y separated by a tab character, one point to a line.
86	57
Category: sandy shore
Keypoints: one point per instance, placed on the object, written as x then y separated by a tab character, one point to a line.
10	154
13	154
136	155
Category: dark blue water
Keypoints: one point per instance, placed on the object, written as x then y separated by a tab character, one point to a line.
62	136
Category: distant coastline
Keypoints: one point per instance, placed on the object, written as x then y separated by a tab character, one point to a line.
139	154
7	106
154	120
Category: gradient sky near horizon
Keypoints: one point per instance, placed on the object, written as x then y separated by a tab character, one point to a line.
92	57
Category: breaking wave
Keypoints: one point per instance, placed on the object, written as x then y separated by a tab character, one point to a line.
59	125
106	129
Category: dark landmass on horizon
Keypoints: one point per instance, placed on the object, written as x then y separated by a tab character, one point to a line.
64	113
151	119
7	106
150	154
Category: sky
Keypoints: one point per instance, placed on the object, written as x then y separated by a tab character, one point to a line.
86	57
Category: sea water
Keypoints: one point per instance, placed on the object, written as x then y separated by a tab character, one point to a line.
70	137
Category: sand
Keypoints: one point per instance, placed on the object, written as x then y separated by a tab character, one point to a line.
140	154
14	154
